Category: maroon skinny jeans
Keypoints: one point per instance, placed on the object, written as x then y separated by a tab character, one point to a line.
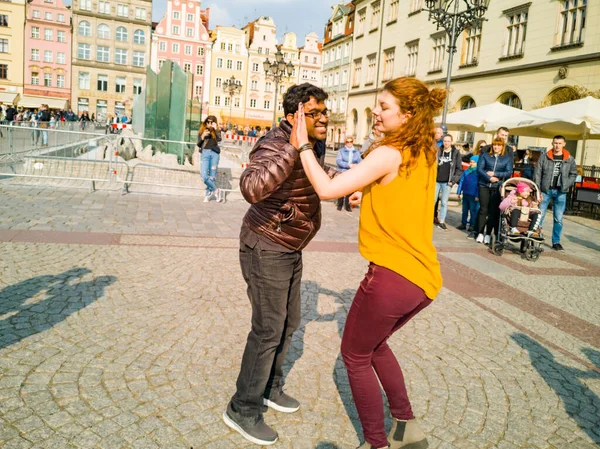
384	302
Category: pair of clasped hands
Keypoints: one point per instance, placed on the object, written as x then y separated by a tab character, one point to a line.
299	137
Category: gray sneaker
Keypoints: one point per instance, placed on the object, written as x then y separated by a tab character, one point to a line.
253	428
282	402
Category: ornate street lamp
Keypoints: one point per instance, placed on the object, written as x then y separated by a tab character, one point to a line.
454	22
231	87
277	70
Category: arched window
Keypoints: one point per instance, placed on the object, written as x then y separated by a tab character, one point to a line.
562	95
369	121
103	31
139	37
84	28
466	137
122	34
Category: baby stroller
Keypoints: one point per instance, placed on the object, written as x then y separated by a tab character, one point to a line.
530	243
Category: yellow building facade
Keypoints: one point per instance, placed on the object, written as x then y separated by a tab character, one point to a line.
12	20
527	55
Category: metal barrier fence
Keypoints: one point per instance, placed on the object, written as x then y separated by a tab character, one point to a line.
113	162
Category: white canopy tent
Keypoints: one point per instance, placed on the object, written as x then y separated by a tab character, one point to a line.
576	120
476	119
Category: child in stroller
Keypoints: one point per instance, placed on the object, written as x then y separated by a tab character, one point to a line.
520	206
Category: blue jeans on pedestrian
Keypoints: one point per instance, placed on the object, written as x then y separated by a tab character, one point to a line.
469	205
445	188
559	204
208	170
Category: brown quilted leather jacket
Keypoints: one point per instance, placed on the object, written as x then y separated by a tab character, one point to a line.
284	205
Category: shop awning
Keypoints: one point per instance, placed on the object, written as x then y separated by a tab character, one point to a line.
8	97
29	101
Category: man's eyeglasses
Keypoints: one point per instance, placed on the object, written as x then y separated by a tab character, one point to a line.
316	115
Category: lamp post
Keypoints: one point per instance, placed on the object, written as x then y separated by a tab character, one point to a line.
231	87
447	14
277	70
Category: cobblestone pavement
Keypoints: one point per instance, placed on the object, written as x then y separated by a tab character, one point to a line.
123	320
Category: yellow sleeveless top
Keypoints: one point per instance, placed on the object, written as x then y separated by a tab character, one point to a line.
396	227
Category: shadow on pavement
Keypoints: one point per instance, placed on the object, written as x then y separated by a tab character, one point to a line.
65	294
578	241
579	401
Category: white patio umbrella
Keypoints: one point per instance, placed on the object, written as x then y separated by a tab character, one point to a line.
576	120
476	119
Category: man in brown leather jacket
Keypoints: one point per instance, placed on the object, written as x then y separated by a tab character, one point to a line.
285	214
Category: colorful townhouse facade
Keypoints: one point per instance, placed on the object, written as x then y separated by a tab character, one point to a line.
12	18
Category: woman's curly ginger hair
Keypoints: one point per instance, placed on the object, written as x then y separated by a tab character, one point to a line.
416	136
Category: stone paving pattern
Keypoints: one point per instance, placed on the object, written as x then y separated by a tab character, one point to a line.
123	320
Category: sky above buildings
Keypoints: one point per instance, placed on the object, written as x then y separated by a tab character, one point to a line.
298	16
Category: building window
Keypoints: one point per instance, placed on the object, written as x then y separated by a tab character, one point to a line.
371	64
103	7
140	13
199	69
60	81
227	101
239	65
101	108
83	51
122	34
260	52
3	71
35	53
48	34
3	20
255	67
119	108
137	86
516	29
35	78
267	104
60	18
187	67
102	54
48	16
47	79
438	53
188	49
36	14
84	28
85	5
175	48
305	74
388	63
229	64
61	36
219	63
230	48
123	10
102	83
572	21
200	51
412	50
82	104
190	17
103	31
223	46
176	15
162	46
120	56
198	91
254	85
393	14
120	84
362	18
175	30
139	37
139	59
375	11
415	6
189	32
344	77
218	100
237	48
35	32
48	56
253	102
357	73
268	87
471	46
236	103
61	58
463	136
84	81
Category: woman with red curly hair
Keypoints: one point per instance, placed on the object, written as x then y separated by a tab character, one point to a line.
396	181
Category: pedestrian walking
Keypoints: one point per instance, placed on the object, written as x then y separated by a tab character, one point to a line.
348	157
468	186
373	136
397	180
493	169
284	216
208	142
448	174
555	174
83	119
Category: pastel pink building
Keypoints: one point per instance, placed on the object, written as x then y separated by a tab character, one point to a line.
47	70
182	36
